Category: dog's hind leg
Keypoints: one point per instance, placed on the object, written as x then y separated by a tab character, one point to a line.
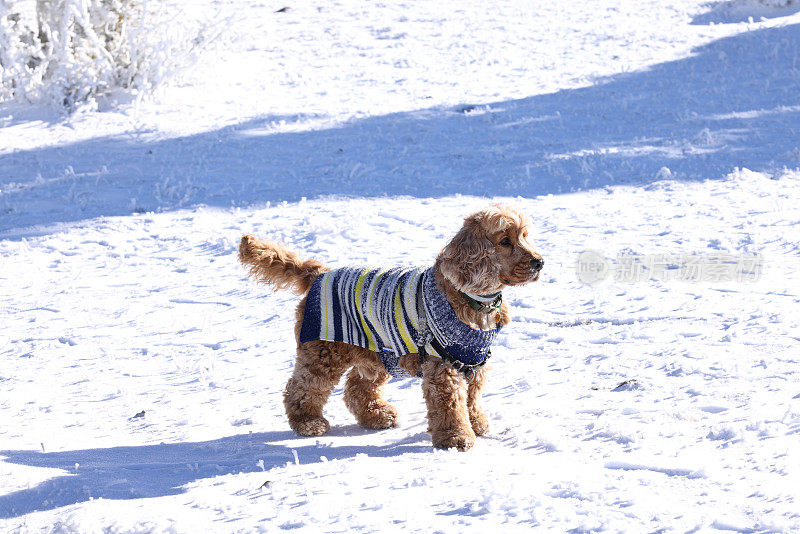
319	366
445	391
479	421
362	394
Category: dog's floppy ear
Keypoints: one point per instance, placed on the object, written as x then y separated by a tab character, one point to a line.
467	260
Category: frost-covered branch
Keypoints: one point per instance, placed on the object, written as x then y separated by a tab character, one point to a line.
72	52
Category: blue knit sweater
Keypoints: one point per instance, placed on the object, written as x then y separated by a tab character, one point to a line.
391	312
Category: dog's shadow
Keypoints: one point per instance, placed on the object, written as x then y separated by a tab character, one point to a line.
159	470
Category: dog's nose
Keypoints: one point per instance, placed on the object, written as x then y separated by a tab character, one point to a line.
537	264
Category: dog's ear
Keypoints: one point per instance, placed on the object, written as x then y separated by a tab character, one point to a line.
468	259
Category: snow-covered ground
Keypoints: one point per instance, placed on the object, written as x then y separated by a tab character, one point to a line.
141	373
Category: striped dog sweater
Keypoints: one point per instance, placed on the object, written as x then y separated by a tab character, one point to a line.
391	312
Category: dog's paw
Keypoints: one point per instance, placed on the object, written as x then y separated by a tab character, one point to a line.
311	426
479	422
453	439
380	417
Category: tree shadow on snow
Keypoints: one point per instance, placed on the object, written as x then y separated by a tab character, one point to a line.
734	11
159	470
732	103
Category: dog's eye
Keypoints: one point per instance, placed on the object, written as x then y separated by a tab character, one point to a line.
506	242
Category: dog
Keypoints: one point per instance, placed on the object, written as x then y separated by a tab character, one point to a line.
436	322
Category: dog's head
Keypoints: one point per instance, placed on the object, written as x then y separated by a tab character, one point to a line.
491	251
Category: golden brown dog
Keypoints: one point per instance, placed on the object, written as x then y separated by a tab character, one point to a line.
489	253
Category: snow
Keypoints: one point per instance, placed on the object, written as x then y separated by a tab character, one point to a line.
141	372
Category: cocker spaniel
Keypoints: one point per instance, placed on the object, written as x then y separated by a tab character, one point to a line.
436	322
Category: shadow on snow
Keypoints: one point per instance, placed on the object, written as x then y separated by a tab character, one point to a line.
159	470
733	11
732	103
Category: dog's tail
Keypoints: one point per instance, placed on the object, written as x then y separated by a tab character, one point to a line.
275	265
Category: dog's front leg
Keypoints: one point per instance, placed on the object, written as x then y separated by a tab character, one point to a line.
446	393
479	421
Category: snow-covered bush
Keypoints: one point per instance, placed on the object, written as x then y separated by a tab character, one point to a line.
82	51
19	51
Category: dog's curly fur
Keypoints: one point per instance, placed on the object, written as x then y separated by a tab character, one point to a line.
490	252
